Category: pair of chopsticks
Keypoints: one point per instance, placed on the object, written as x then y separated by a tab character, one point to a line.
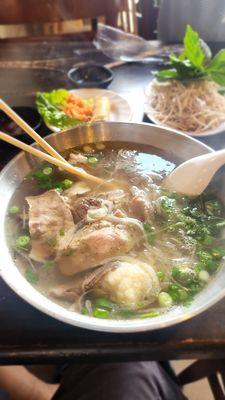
52	157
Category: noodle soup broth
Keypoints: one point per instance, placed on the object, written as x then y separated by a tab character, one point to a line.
134	250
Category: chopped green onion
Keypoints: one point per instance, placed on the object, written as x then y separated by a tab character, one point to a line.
165	300
66	184
101	313
151	314
84	311
22	241
92	160
61	232
102	302
161	275
49	264
31	276
13	210
47	171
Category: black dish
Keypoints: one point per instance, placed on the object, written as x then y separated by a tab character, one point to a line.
28	114
92	75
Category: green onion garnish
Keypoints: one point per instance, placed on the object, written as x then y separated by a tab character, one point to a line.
92	160
151	314
47	171
22	241
13	210
100	313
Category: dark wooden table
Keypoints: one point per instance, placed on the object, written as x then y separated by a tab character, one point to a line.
27	335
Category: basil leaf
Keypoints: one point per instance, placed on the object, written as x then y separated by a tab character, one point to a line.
166	74
216	68
206	50
192	49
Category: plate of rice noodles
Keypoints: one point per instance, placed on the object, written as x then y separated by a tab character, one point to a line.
189	96
63	109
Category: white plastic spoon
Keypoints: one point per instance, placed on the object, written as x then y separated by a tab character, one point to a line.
193	176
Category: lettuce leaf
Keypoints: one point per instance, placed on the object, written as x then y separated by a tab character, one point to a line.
48	107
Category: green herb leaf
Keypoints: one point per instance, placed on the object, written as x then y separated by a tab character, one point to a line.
31	276
49	264
192	48
102	302
48	105
216	68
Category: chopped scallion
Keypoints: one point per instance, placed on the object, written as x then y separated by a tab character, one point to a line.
102	302
13	210
22	241
92	160
150	314
47	171
101	313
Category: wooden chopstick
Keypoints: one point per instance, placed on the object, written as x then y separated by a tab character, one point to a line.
59	163
37	138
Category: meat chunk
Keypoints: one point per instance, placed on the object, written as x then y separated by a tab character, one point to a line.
94	244
81	207
50	223
76	190
140	206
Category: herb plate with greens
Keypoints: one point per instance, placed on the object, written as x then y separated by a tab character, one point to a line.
189	95
120	109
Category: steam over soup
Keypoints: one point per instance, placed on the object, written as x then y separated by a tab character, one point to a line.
131	251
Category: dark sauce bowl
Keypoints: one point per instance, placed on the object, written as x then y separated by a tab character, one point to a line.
28	114
92	75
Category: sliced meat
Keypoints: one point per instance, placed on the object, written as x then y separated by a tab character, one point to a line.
140	206
94	244
76	190
81	207
82	282
50	223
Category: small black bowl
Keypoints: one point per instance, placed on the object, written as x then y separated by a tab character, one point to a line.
91	75
28	114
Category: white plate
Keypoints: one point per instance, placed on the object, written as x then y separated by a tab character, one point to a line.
219	129
120	110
